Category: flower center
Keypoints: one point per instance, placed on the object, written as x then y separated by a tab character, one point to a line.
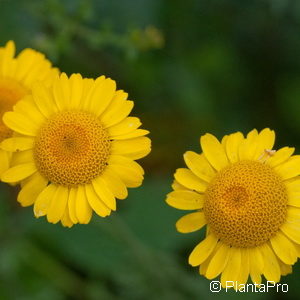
10	93
72	148
245	204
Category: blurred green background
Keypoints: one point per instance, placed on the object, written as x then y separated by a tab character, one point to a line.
191	67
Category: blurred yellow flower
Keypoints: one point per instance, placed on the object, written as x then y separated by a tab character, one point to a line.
75	148
248	195
17	75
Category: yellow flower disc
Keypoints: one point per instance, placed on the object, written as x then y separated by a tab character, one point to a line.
10	93
72	148
245	204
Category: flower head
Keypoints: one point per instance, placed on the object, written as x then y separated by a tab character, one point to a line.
75	148
17	76
247	195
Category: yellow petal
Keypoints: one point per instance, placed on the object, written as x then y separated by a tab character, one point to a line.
203	267
83	209
188	179
18	172
27	107
290	168
284	269
130	177
101	95
125	162
115	184
43	200
65	220
245	266
233	266
32	189
271	268
203	250
284	248
22	157
134	148
7	58
186	200
232	146
214	151
72	205
191	222
44	99
76	90
218	262
265	141
131	135
292	231
117	110
256	265
20	123
95	202
4	161
104	193
177	186
248	146
61	92
199	165
58	204
293	190
280	156
126	126
17	144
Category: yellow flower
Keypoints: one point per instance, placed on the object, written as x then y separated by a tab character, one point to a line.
75	148
248	195
17	75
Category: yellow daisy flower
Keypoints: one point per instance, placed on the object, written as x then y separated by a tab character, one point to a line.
248	195
75	148
17	75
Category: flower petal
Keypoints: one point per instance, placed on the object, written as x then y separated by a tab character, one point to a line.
83	209
232	146
58	204
95	202
19	123
284	248
290	168
115	184
186	200
271	268
214	151
265	141
134	148
101	95
280	156
218	262
17	144
256	265
43	200
188	179
126	126
248	146
104	193
199	165
18	172
233	266
44	99
191	222
117	110
203	250
72	205
30	191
